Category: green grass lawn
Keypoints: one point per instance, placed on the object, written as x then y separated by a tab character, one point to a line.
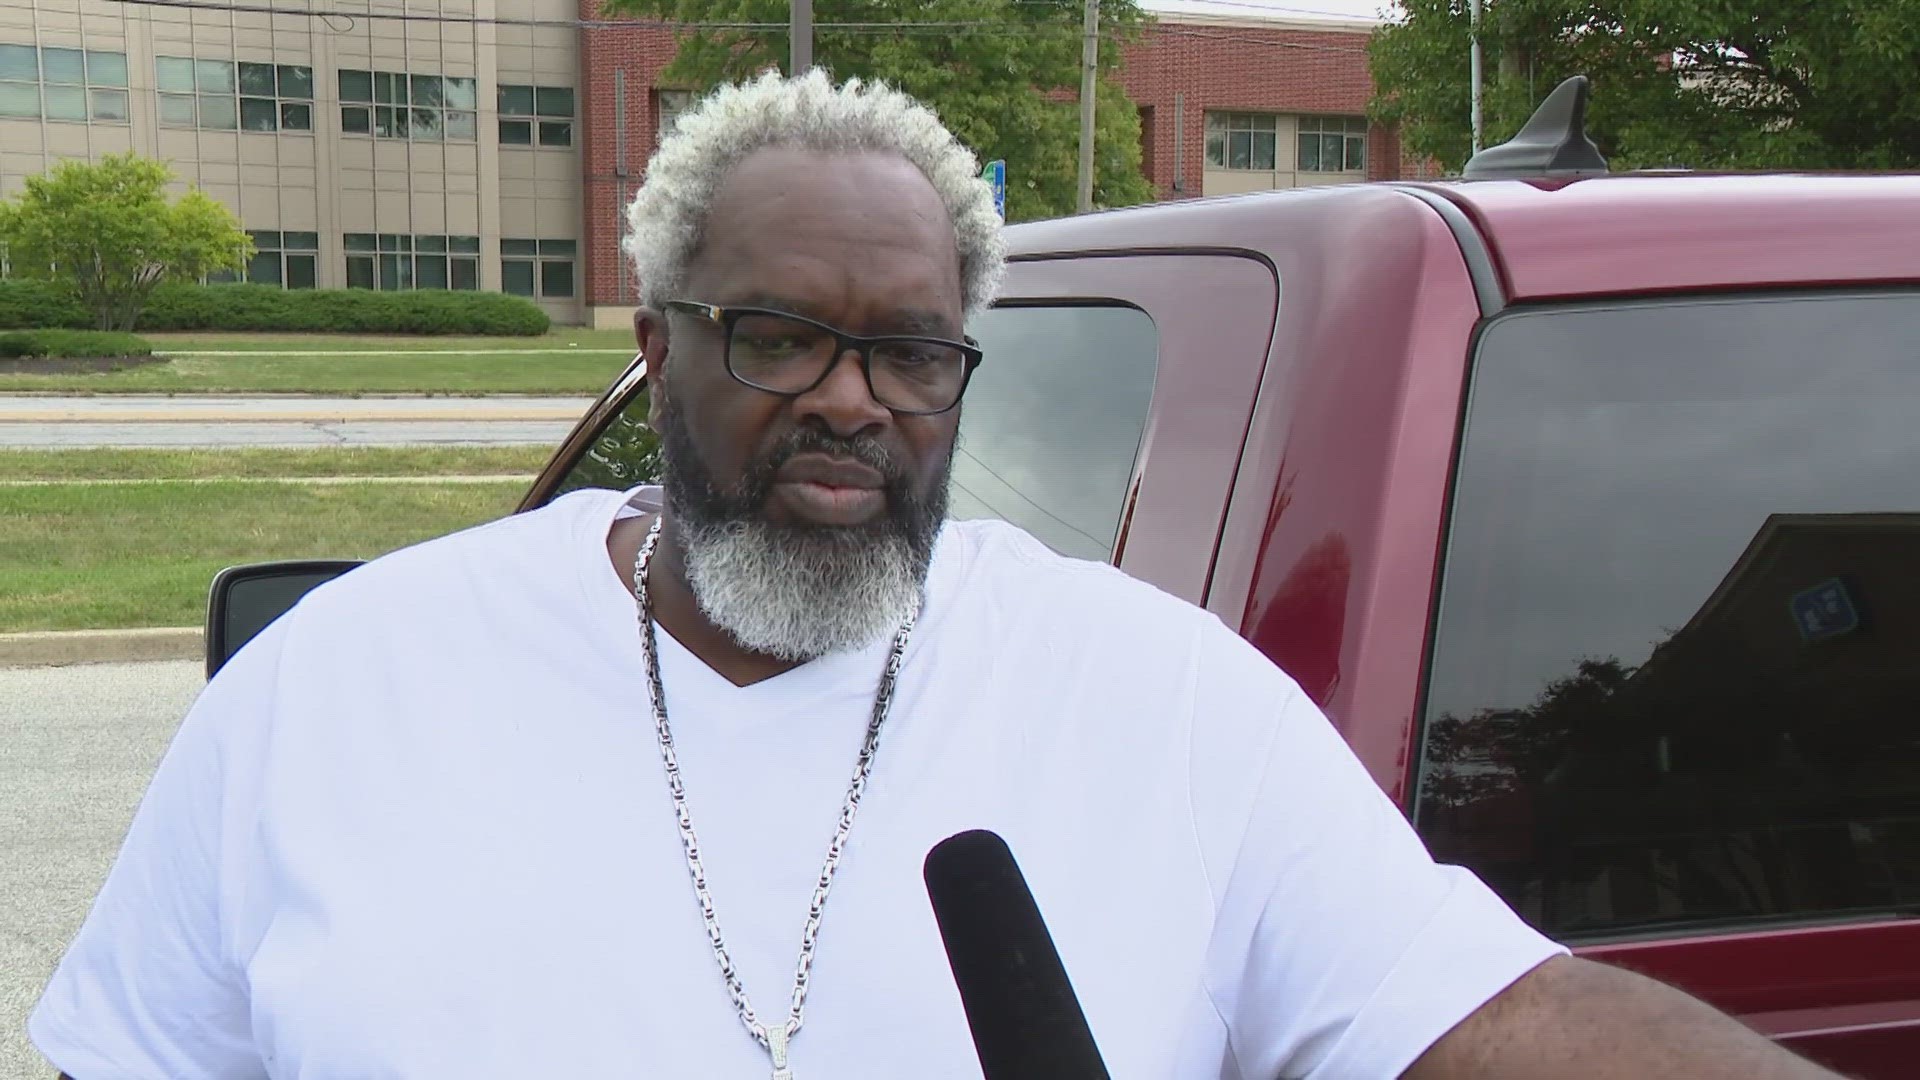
265	462
568	361
142	554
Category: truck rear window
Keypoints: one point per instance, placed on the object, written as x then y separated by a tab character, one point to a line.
1676	672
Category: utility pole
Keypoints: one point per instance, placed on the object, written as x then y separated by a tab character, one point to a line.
1089	68
1473	23
800	30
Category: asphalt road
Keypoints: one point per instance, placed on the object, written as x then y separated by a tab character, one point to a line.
77	746
136	420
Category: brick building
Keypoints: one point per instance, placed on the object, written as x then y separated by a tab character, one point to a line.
492	144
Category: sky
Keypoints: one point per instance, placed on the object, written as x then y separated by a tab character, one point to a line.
1358	10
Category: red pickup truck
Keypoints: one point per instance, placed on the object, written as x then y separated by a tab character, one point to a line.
1587	506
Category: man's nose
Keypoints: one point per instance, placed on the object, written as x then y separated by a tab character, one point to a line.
843	400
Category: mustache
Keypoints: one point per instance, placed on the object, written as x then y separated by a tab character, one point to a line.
757	483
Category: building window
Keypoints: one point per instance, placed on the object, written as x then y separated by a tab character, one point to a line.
227	96
63	84
287	259
1333	144
668	107
1241	141
393	261
398	105
538	268
528	113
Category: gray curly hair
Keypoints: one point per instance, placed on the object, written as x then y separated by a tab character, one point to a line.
668	216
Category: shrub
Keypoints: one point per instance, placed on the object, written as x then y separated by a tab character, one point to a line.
28	305
32	305
73	343
346	311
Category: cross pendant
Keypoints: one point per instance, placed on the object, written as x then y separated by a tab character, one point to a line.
777	1049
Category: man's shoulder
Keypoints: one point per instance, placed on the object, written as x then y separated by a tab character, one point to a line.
993	563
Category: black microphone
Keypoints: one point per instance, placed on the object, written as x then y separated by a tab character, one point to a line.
1026	1021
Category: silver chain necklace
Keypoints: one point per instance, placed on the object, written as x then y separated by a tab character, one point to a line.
772	1038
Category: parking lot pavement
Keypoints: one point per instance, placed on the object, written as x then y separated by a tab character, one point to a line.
77	746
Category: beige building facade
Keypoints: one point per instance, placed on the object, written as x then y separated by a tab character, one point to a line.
439	150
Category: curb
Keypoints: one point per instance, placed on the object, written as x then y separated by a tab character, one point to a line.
53	648
295	416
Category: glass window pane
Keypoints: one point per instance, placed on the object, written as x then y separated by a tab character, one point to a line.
1357	154
356	120
296	116
176	110
556	133
401	125
107	68
396	242
428	90
516	132
1094	368
464	243
389	88
217	111
516	101
264	268
360	241
460	126
466	274
390	271
1332	152
518	247
300	241
173	73
302	271
110	106
558	248
360	272
430	271
554	101
429	243
1240	150
264	238
1672	685
213	76
295	81
20	62
516	277
1217	148
1309	153
20	99
64	66
259	114
461	93
257	79
1263	149
383	121
426	124
556	279
66	103
356	85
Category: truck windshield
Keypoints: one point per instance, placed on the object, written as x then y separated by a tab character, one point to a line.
1676	668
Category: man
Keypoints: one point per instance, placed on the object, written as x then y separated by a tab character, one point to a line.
549	797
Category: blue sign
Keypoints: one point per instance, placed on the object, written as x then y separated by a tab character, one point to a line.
1825	611
996	175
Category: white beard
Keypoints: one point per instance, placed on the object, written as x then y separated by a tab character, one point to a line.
800	594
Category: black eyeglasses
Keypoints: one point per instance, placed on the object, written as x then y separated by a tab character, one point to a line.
788	355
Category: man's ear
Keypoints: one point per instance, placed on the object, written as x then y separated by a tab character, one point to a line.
650	332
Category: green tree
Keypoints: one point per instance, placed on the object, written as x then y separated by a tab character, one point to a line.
108	229
1004	75
1704	84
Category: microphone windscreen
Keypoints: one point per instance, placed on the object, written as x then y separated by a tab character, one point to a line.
1026	1021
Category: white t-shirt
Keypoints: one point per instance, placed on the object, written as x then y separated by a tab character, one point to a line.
419	828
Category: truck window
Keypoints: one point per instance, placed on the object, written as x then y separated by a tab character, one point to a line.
1053	419
1049	430
1676	665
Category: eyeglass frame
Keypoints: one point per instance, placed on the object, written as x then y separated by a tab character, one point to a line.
725	318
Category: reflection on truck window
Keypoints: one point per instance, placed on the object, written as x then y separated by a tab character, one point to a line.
1676	673
1052	422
